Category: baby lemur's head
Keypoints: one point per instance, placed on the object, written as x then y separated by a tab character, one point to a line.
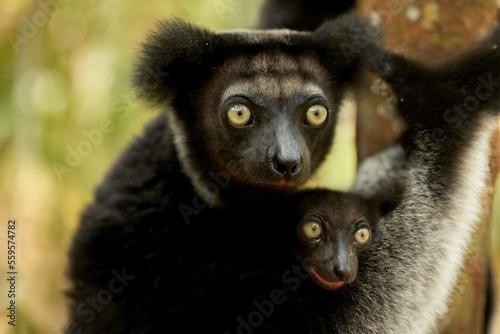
333	229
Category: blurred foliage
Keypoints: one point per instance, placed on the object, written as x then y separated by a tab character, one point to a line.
64	78
65	73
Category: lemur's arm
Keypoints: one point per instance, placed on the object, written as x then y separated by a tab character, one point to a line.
441	162
447	101
449	93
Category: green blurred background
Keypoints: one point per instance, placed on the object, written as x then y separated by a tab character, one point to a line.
65	69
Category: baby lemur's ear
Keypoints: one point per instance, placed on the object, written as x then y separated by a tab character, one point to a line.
389	200
174	54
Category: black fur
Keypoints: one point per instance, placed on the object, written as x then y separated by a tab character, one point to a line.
231	269
427	190
300	14
490	305
136	265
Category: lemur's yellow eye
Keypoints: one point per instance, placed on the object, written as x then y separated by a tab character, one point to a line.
362	236
239	115
316	115
312	230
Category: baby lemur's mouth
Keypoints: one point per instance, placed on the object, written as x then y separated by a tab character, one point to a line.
327	285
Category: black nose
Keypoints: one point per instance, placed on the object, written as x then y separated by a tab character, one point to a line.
341	274
288	167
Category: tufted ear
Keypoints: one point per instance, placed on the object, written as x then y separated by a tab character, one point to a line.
346	42
388	200
173	55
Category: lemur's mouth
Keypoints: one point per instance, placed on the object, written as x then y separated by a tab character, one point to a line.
327	285
284	185
279	186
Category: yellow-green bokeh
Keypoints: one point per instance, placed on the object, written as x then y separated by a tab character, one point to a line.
65	72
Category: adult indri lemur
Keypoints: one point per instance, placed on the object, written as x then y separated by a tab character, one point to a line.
382	258
419	198
247	114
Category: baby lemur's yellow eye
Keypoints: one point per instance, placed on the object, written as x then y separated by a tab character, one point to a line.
362	236
312	230
316	115
239	115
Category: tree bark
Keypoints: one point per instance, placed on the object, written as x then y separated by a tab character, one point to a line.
430	31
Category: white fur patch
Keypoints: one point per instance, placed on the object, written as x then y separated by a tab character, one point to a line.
424	240
461	219
189	168
272	87
258	36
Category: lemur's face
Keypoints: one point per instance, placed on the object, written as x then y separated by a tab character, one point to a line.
334	229
251	109
273	120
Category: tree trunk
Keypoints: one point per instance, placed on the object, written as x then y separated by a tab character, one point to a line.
430	31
